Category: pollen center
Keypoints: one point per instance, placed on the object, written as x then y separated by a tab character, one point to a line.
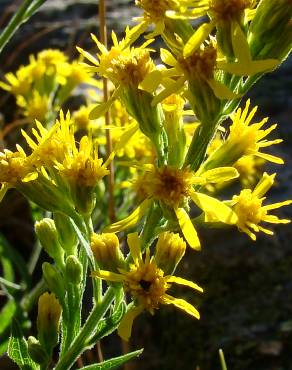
155	9
147	284
167	184
228	9
201	63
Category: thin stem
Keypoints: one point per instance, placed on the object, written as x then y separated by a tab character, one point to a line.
80	343
222	360
103	39
26	9
37	248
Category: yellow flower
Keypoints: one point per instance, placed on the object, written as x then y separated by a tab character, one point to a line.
245	138
172	188
199	68
18	83
148	285
122	64
15	168
81	165
36	106
50	145
250	211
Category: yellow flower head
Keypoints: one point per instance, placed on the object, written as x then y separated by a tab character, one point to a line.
14	167
201	63
18	83
148	286
122	64
81	166
250	137
36	106
154	10
248	206
228	10
246	138
51	145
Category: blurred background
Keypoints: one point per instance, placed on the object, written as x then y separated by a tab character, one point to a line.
247	306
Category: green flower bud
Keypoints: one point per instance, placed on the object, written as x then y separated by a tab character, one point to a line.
170	249
270	30
73	270
54	280
48	321
36	351
173	124
47	233
106	250
149	117
66	233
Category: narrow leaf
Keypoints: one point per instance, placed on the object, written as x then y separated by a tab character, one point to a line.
114	362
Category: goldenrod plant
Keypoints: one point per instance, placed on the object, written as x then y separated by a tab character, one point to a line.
180	128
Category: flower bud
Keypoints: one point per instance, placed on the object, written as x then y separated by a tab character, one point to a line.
66	233
36	351
73	270
48	320
173	124
106	250
150	118
170	249
54	279
47	233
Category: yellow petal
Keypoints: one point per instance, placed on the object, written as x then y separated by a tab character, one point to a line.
125	327
125	137
108	275
187	228
101	109
134	244
170	89
131	220
3	191
214	208
275	220
167	57
151	81
240	44
269	157
277	205
220	174
264	185
88	56
221	91
248	69
197	38
30	177
182	305
181	281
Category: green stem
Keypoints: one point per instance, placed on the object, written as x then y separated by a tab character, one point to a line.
79	344
27	8
199	145
222	360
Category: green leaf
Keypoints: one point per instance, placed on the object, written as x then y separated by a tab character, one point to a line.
114	362
17	349
9	256
7	314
